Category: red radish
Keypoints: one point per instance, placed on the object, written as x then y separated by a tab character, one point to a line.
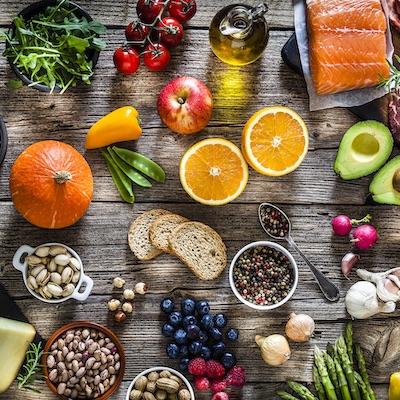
341	225
365	236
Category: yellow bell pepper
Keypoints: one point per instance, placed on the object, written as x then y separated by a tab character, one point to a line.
119	125
394	387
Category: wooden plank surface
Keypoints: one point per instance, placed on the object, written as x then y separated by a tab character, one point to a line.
311	196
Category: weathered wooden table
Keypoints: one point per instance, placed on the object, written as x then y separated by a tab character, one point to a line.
312	196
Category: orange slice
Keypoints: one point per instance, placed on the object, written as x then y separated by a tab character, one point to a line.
275	141
213	171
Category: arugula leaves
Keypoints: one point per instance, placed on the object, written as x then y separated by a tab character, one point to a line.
54	47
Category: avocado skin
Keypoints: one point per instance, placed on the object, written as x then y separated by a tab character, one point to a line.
381	186
347	166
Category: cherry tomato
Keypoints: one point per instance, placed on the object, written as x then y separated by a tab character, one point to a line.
126	61
156	56
182	10
137	32
170	31
148	10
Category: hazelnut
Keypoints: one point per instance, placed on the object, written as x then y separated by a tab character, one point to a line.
120	316
129	294
141	288
118	282
113	304
127	307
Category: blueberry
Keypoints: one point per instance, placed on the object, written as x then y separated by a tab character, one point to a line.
205	353
192	331
172	350
228	360
168	330
220	320
215	333
202	307
183	364
206	321
183	351
188	306
167	305
218	349
232	334
203	337
189	320
195	347
180	336
175	318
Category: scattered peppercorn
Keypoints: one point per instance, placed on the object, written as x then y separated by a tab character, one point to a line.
263	275
274	221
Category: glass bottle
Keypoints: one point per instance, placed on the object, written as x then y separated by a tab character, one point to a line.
239	33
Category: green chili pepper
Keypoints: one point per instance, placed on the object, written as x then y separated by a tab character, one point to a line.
133	175
141	163
123	184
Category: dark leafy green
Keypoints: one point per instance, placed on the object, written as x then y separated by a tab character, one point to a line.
52	47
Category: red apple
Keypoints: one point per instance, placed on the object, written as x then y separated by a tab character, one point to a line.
185	105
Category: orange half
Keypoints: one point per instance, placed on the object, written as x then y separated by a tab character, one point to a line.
213	171
275	141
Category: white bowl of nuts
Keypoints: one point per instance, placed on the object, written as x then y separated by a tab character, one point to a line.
52	272
160	382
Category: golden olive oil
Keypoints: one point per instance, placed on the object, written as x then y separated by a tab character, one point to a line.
239	33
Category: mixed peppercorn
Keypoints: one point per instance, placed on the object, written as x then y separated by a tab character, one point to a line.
274	222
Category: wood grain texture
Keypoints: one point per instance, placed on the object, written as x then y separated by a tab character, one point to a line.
311	196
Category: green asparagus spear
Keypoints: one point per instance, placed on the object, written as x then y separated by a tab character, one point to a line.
330	366
330	349
347	368
344	388
349	342
319	387
363	371
286	396
362	386
326	381
301	390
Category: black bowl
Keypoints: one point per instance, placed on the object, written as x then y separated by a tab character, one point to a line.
30	12
3	140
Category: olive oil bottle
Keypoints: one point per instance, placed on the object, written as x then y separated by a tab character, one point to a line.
239	33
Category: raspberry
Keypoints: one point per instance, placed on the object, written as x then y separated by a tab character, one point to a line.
220	396
236	376
201	382
197	366
215	369
218	385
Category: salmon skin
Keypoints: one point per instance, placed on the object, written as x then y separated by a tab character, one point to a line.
347	44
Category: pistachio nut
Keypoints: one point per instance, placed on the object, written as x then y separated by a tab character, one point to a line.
62	259
44	292
55	277
68	289
67	274
35	270
76	276
74	264
56	250
33	260
42	251
54	289
32	282
43	277
52	266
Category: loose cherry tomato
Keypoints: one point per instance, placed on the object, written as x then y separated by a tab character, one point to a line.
170	31
126	61
182	10
148	10
156	56
137	32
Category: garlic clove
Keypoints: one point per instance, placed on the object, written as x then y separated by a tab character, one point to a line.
387	290
348	262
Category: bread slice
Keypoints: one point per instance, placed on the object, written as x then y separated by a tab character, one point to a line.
138	235
200	248
162	227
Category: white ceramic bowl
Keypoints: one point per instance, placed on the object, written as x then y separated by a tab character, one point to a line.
22	266
159	369
292	264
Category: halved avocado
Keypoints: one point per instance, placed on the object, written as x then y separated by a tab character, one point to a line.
385	187
364	148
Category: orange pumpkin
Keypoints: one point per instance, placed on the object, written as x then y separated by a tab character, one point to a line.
51	184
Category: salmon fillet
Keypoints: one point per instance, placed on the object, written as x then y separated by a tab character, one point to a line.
347	44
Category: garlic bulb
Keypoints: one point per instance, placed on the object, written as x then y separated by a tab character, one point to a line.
362	301
275	349
300	327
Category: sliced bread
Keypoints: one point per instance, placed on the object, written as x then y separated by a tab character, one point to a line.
138	235
162	227
200	248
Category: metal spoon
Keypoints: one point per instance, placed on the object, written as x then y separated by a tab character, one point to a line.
328	288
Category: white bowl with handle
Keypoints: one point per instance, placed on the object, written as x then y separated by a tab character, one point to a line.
20	263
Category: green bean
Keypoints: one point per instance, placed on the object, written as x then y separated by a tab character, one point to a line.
286	396
133	175
123	184
141	163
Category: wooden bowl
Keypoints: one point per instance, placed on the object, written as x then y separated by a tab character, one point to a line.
31	11
90	325
3	140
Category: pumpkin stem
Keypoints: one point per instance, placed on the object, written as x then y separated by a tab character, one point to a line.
62	176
